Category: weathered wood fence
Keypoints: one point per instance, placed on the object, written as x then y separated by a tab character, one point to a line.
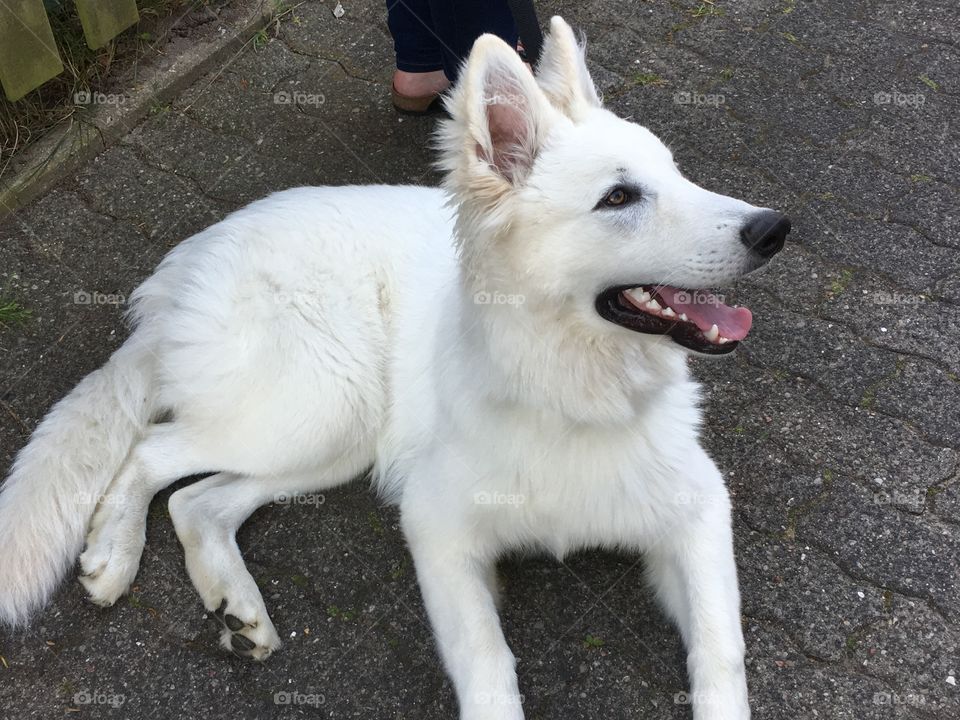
28	53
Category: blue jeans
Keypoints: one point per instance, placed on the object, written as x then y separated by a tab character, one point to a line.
438	34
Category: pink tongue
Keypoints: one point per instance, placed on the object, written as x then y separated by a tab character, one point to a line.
705	310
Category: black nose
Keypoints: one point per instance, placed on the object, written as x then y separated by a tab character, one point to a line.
765	232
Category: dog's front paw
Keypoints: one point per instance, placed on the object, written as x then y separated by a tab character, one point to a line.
722	701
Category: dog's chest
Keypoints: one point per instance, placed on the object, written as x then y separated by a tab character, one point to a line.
577	489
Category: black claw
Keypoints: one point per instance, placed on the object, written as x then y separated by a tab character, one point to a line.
241	643
220	610
233	622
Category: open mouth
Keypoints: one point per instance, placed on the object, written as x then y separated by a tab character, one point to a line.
696	319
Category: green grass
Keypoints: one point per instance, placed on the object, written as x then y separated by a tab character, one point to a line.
12	313
652	79
933	85
399	570
592	642
838	285
260	39
345	615
373	520
705	9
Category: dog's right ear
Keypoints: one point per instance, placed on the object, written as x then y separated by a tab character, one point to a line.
499	118
562	72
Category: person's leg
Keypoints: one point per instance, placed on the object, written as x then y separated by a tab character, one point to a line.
459	22
417	47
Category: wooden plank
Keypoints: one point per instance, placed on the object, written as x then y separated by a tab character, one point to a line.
103	20
28	54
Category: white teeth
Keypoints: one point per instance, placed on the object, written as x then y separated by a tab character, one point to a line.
668	312
724	341
683	316
713	333
637	296
653	305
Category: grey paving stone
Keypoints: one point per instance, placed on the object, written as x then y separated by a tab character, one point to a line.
914	650
801	591
899	318
876	540
926	395
786	684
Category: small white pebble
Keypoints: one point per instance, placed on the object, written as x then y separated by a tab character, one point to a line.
860	595
951	680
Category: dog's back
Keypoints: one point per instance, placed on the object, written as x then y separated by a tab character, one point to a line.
278	318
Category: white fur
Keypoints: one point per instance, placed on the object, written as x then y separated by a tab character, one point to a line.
324	330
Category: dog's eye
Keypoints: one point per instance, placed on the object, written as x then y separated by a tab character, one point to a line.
617	197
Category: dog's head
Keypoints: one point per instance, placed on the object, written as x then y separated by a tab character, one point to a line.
566	204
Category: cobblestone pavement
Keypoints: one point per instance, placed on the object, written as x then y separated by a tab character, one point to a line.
837	424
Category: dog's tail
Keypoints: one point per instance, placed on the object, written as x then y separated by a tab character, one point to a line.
56	480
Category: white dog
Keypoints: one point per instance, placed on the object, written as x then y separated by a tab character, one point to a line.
508	354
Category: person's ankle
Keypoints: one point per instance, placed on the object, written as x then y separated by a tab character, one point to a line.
420	84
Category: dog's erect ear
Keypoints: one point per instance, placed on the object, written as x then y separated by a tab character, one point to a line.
562	72
498	110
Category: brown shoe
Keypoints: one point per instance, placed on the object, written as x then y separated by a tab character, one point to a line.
422	105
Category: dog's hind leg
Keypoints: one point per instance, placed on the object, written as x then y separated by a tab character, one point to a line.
117	533
206	516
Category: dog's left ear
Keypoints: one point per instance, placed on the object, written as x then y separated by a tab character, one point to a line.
562	72
499	116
